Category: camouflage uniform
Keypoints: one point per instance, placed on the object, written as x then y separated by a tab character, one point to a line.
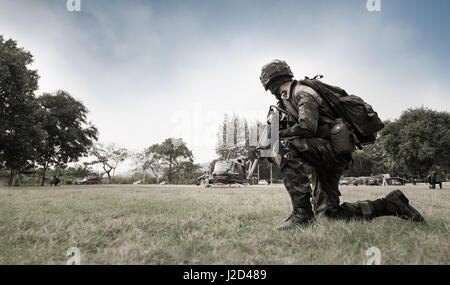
305	155
310	166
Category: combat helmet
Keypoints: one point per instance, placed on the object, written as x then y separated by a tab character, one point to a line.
274	74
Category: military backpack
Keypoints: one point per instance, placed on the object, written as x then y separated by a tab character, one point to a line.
358	115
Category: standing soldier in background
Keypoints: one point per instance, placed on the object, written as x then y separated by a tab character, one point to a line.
439	179
434	179
430	181
306	149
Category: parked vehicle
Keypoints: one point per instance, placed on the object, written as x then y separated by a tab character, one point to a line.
263	182
373	181
395	181
89	181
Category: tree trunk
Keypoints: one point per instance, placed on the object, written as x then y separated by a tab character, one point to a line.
12	174
14	178
113	174
43	175
109	177
156	175
271	178
169	176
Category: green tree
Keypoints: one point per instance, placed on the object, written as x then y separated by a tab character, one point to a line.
69	135
187	172
80	170
21	133
148	160
109	156
169	156
417	141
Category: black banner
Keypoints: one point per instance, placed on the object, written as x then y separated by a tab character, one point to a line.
218	274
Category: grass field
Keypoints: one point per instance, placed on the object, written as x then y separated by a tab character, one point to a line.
194	225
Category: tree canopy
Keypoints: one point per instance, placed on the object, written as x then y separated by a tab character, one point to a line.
49	130
21	135
418	141
109	156
69	135
172	159
171	152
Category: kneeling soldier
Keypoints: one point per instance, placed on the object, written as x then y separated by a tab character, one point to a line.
306	151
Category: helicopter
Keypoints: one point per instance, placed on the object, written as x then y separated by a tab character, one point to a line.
227	172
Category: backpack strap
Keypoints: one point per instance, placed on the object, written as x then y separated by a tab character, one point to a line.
290	109
287	101
334	104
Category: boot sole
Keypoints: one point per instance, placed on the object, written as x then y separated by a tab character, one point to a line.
416	216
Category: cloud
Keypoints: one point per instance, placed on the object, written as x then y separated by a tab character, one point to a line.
150	70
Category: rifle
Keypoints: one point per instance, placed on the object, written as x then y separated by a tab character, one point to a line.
268	143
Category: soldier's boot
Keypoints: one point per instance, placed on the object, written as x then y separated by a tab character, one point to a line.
298	218
302	213
396	204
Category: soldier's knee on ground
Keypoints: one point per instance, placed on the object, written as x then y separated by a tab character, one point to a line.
331	212
358	210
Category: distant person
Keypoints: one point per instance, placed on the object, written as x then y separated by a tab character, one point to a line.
438	179
431	185
55	181
434	179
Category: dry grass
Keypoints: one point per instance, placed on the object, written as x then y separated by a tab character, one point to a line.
193	225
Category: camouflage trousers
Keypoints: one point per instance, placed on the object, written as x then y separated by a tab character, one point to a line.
311	169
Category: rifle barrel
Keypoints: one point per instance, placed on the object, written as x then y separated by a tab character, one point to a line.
252	169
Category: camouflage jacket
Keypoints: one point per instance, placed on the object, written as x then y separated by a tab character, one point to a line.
314	116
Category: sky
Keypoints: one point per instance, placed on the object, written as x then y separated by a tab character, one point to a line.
149	70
